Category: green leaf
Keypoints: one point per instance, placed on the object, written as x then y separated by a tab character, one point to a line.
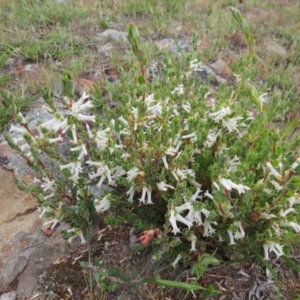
291	263
293	183
116	272
133	36
141	79
133	32
236	14
269	267
175	284
139	54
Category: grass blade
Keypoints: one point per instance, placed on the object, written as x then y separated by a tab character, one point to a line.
269	267
291	263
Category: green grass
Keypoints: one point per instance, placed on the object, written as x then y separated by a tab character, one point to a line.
60	37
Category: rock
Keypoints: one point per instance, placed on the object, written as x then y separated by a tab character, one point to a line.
238	41
111	34
25	251
175	46
205	72
222	69
274	51
9	296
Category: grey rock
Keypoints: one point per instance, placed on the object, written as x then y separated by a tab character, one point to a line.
175	46
204	72
274	51
13	269
111	34
9	296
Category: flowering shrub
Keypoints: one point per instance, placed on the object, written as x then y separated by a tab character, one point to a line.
173	158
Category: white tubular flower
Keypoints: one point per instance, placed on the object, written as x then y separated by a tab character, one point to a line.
149	200
155	109
49	196
294	200
240	234
276	185
103	205
73	130
296	163
165	162
53	222
274	172
88	129
122	119
174	217
175	262
229	185
220	114
149	99
172	220
164	187
171	151
83	241
267	216
44	210
271	246
133	173
17	129
79	106
190	136
178	90
208	195
287	211
55	140
185	206
78	233
85	118
239	187
216	185
187	107
75	169
131	192
102	139
211	137
263	98
82	150
208	230
48	185
231	124
195	195
230	233
144	191
193	242
56	124
226	185
294	225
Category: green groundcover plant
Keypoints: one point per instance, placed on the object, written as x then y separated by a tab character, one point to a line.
181	162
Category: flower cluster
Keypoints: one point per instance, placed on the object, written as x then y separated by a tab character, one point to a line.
203	160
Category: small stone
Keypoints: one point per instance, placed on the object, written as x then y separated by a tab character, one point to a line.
115	35
222	69
172	45
274	51
9	296
238	41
